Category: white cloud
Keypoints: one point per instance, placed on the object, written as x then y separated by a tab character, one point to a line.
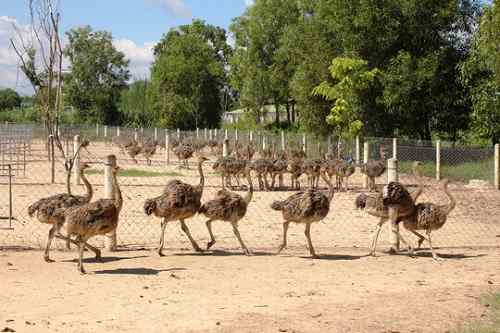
175	8
140	56
10	77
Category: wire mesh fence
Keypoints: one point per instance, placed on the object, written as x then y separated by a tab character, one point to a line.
474	222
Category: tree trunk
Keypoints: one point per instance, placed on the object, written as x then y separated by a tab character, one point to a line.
288	119
277	109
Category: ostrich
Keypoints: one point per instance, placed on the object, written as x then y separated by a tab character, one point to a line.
262	168
45	210
374	168
312	168
279	167
179	201
94	218
295	169
133	149
306	207
149	149
227	167
184	151
229	207
429	217
376	205
344	170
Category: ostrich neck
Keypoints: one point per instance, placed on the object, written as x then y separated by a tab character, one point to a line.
202	177
88	186
249	195
117	192
420	188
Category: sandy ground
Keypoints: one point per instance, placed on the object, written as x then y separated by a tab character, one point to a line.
137	291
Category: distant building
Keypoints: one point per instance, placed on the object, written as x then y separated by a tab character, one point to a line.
268	115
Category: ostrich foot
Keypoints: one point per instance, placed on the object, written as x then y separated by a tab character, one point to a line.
210	244
47	259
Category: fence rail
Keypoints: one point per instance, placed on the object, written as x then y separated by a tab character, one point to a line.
473	223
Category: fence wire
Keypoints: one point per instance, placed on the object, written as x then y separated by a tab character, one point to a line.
474	222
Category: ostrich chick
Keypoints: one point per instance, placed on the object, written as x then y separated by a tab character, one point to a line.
230	207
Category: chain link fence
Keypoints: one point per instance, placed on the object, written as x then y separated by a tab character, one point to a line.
474	222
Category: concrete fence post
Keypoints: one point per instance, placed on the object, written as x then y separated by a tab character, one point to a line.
366	157
76	162
97	130
304	143
118	131
197	133
250	136
497	167
167	147
178	134
109	163
236	135
215	133
136	135
156	134
392	176
205	134
283	141
142	130
438	160
225	147
358	151
105	131
264	142
395	148
225	134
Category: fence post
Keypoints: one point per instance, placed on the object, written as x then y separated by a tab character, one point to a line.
167	147
205	135
76	162
136	136
215	133
304	143
178	134
395	148
225	134
283	141
197	133
142	130
210	135
225	147
97	130
236	135
109	163
250	138
497	167
358	152
118	131
264	142
438	160
105	131
392	176
366	156
156	134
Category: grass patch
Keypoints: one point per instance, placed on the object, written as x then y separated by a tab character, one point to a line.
492	302
463	172
138	173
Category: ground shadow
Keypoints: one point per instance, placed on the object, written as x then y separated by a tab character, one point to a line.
222	253
138	271
424	253
333	257
104	259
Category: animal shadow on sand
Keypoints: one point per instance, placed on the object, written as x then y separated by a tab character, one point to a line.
332	257
425	253
138	271
104	259
222	253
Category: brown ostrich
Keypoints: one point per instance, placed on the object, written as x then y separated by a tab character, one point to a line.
429	217
95	218
262	167
279	167
295	169
149	149
179	201
312	168
344	170
45	210
307	207
133	149
229	207
184	152
229	167
375	168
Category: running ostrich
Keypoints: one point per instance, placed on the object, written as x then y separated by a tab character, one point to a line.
45	210
429	217
307	207
94	218
229	207
179	201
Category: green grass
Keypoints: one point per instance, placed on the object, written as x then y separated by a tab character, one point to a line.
137	173
461	172
492	302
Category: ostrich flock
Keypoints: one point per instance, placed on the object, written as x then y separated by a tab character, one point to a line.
76	219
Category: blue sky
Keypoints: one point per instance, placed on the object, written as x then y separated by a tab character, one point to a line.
136	25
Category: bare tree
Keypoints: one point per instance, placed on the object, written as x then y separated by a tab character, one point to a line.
41	56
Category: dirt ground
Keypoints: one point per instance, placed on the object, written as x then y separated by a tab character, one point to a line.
137	291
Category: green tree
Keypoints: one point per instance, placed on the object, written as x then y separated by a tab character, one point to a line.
352	79
133	105
99	73
9	99
481	74
188	77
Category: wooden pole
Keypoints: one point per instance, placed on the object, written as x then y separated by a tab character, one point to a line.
167	147
358	152
109	191
497	167
395	148
156	134
304	143
366	156
105	131
283	141
225	147
438	160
